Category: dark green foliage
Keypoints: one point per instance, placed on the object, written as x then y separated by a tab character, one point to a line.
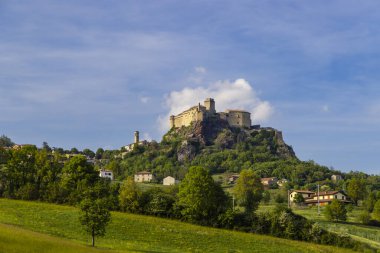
78	175
336	211
298	199
88	152
5	141
158	202
266	197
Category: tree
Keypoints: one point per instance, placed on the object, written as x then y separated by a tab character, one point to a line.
336	211
298	199
129	196
74	151
88	152
46	146
249	190
78	175
266	197
376	211
356	189
99	153
6	141
95	216
200	199
370	202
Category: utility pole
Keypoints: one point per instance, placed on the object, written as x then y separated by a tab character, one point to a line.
319	209
233	202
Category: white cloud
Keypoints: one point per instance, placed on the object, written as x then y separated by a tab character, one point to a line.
238	94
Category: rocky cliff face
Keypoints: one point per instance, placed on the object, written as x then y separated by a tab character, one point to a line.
216	132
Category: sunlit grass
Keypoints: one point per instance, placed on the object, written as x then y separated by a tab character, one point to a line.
129	232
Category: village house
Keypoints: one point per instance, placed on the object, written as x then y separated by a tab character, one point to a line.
305	194
325	198
232	178
170	181
336	178
143	176
282	182
106	174
269	182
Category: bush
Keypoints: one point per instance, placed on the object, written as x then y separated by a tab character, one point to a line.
336	211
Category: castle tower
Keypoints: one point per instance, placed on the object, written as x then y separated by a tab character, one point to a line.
172	121
137	137
210	105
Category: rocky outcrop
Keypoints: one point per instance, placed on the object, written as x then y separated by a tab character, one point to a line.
214	131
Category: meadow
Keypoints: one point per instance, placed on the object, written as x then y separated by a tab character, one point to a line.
41	227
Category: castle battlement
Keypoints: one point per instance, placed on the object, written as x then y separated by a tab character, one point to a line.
235	118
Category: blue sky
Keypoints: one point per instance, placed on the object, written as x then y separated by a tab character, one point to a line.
87	74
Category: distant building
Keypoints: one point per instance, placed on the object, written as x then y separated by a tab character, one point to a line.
20	146
269	181
336	178
325	198
143	176
282	182
232	179
106	174
305	194
170	181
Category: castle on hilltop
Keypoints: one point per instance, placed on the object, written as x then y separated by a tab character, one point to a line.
235	118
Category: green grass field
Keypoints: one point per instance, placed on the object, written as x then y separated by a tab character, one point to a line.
57	228
15	240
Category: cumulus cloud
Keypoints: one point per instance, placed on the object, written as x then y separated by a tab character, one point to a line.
238	94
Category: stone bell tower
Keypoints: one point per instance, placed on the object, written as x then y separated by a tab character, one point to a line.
137	137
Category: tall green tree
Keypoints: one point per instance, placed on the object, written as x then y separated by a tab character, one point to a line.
376	211
88	152
336	211
248	190
356	189
78	175
200	199
129	196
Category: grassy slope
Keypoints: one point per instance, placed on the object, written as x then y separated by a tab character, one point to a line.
366	234
16	240
138	233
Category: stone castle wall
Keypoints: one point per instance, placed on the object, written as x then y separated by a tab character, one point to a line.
235	118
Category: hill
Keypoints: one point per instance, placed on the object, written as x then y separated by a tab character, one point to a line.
127	233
